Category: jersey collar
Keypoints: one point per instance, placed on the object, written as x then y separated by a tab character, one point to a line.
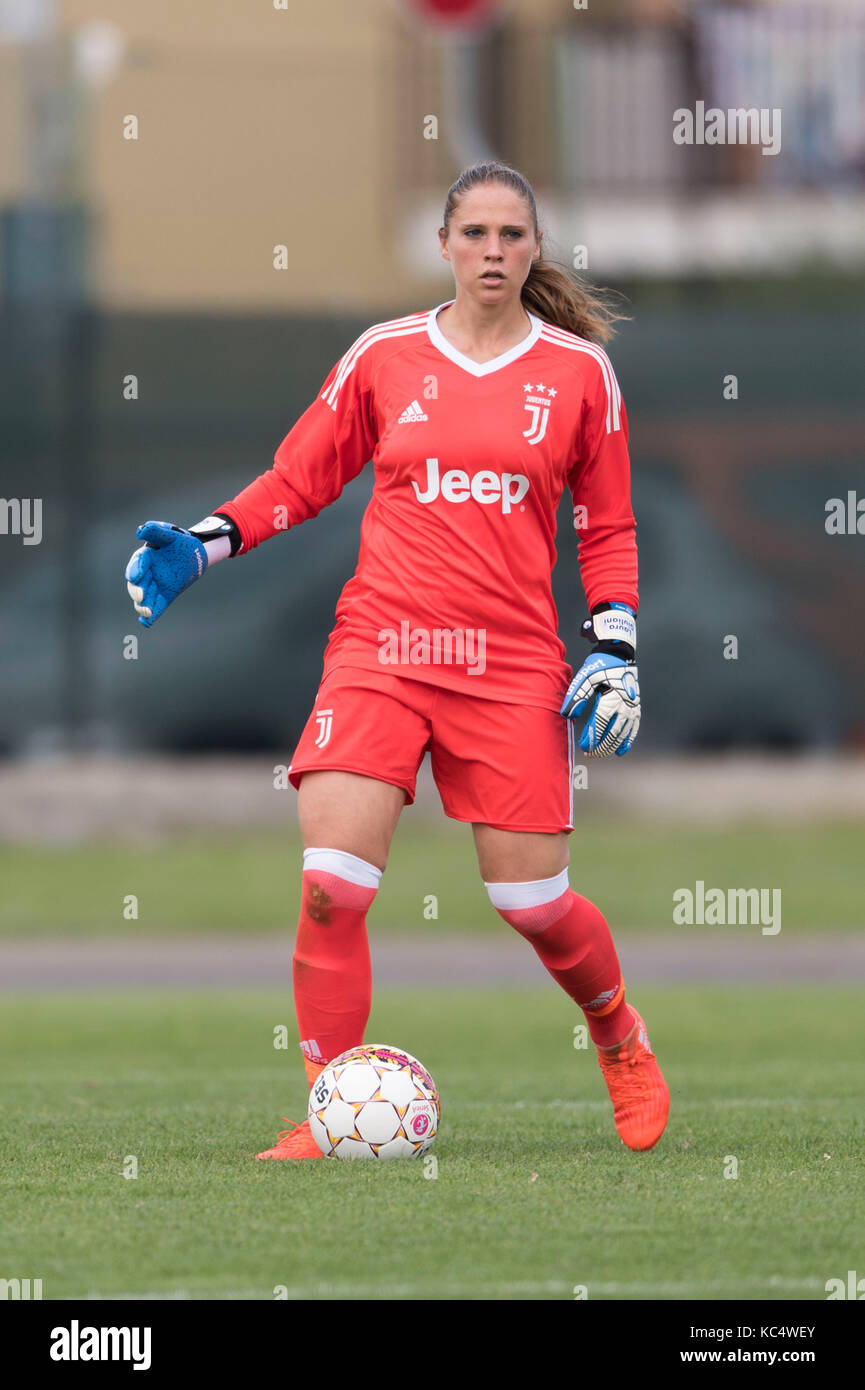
438	339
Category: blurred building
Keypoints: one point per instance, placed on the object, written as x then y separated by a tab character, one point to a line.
335	130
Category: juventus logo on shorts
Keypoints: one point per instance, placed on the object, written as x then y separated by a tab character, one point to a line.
324	720
539	405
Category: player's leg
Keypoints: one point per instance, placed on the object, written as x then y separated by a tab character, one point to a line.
572	938
347	821
526	876
521	855
508	769
357	814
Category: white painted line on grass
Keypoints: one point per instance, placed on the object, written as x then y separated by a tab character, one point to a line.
422	1289
722	1102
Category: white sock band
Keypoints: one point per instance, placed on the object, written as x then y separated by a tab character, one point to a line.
347	866
508	896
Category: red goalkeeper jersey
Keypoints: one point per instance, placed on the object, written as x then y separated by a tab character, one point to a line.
453	580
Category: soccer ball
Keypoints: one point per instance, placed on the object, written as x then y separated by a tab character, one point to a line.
374	1102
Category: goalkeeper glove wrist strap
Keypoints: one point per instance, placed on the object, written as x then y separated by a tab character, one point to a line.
613	629
215	529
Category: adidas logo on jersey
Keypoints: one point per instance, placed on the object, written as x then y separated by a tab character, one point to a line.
412	414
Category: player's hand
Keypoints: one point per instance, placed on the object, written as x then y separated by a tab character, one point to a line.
169	561
611	685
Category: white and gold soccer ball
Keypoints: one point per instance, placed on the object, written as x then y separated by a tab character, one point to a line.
374	1102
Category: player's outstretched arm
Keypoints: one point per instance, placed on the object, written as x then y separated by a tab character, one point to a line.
606	687
172	558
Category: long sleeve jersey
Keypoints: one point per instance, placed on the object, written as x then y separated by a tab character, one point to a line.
458	539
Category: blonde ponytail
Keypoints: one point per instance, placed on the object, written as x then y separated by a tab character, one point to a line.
559	298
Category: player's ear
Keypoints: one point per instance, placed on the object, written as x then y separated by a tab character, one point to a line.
443	244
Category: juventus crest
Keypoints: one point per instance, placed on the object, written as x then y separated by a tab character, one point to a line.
324	723
539	405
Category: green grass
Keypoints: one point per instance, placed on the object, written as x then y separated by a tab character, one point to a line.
535	1192
252	883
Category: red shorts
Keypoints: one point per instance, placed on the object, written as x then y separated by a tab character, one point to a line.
508	766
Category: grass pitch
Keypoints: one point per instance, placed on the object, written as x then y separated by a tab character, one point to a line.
197	884
534	1194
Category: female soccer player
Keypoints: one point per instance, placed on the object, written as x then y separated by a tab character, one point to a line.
476	415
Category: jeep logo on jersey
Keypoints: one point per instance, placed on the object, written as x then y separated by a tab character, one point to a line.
485	487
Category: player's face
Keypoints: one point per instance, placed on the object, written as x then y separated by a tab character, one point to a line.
491	243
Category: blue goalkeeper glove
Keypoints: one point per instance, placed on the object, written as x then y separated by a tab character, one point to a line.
169	561
607	684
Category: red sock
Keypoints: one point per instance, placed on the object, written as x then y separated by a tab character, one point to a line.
572	939
331	967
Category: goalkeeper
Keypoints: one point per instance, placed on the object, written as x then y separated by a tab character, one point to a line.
477	415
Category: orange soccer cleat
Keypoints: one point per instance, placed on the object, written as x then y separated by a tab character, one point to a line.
640	1095
294	1143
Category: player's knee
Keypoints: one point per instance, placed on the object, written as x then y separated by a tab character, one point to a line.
355	812
532	906
332	877
511	855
